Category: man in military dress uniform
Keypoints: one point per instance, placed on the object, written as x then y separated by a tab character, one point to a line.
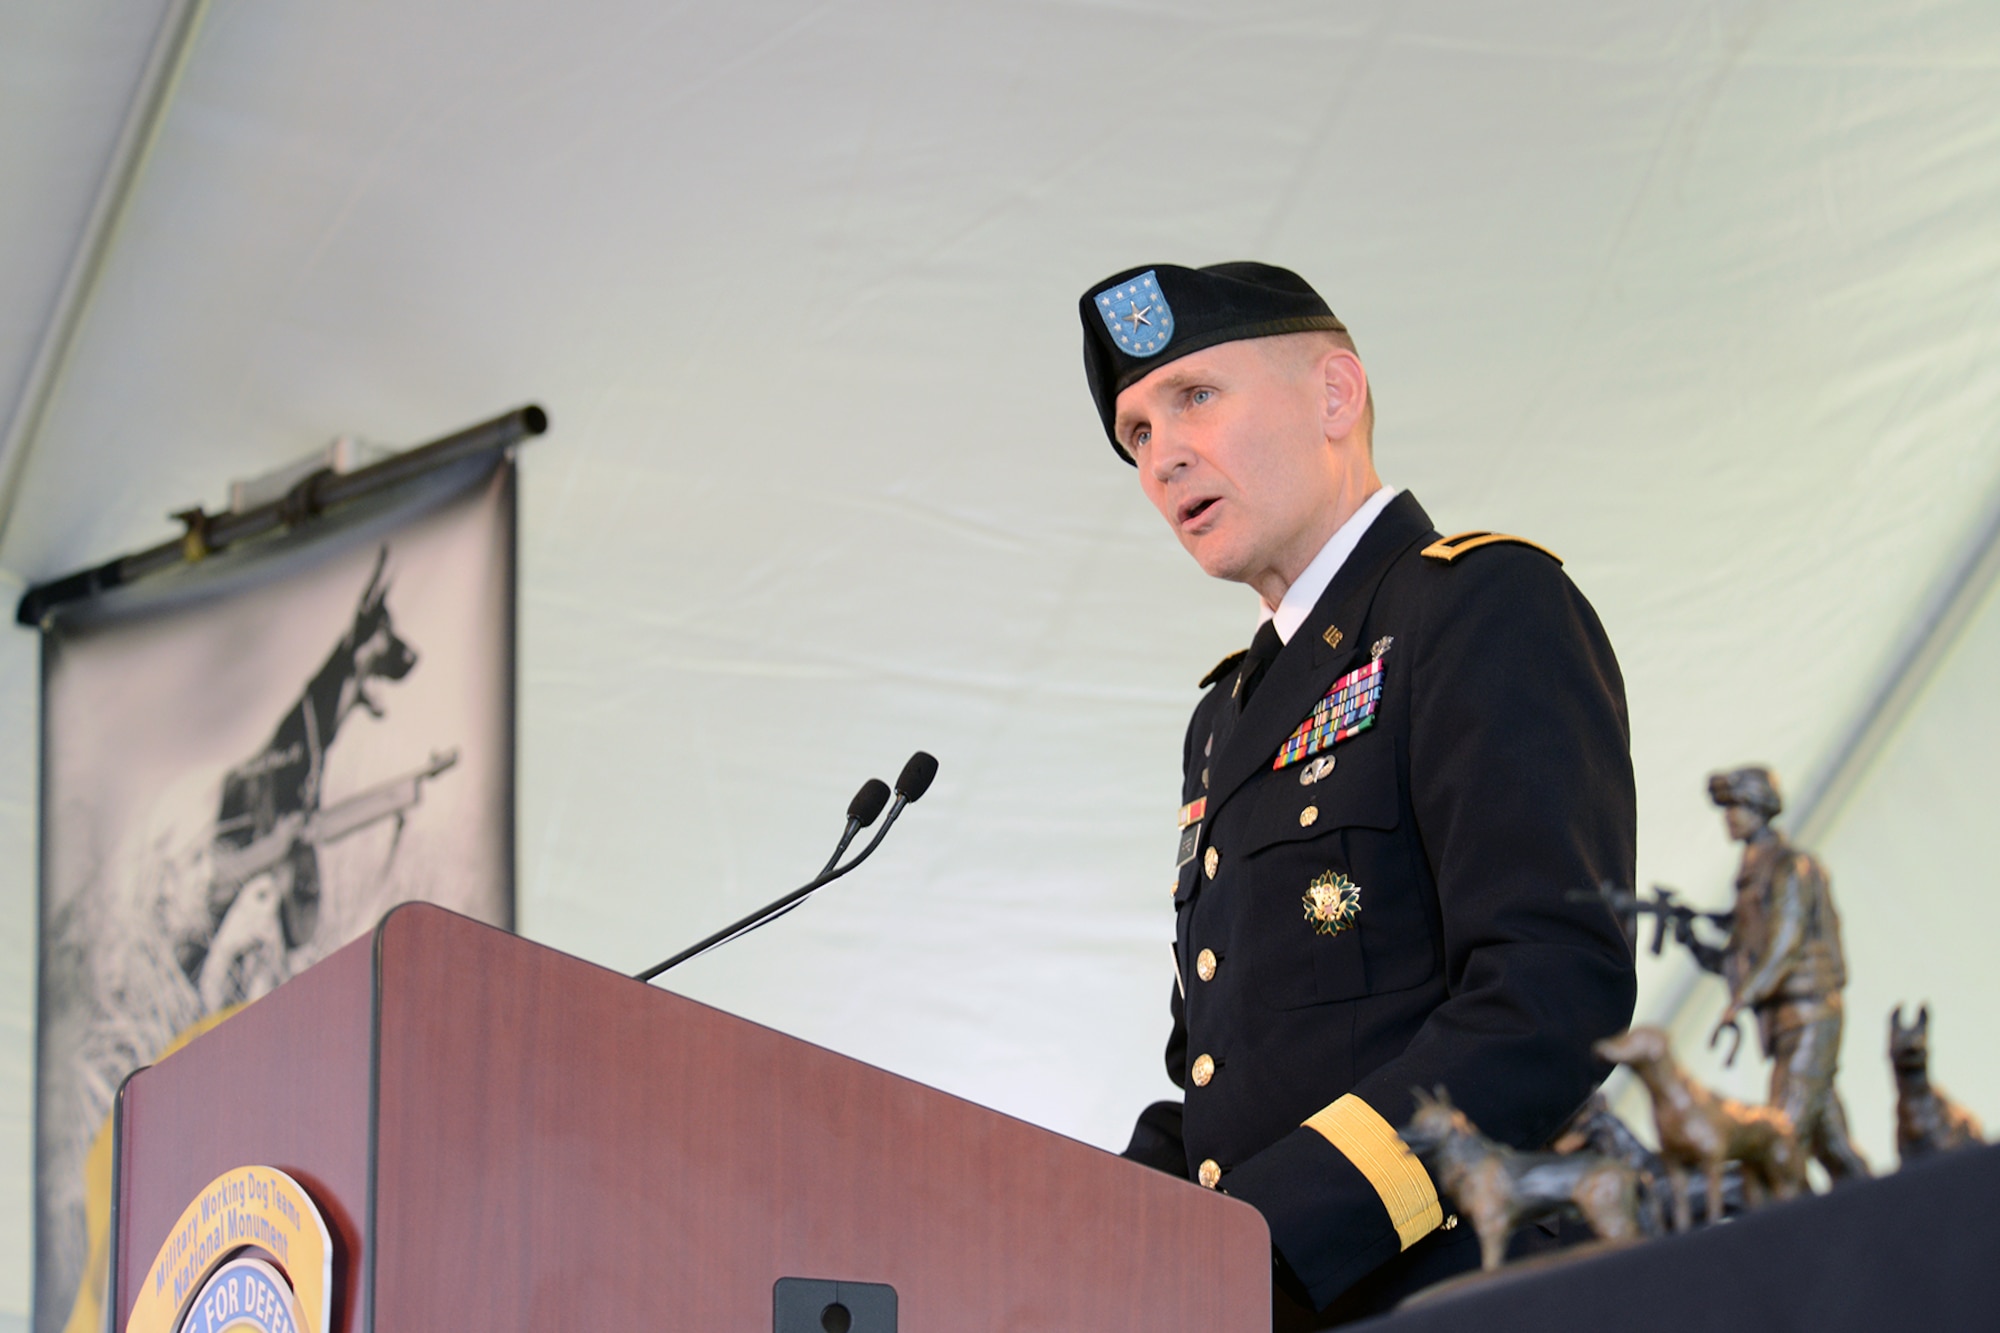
1387	801
1783	962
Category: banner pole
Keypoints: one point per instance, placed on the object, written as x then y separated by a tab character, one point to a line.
323	490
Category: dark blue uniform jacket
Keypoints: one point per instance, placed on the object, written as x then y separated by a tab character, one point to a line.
1494	781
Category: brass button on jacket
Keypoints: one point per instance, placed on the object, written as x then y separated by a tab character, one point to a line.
1204	964
1203	1071
1209	1174
1308	816
1211	861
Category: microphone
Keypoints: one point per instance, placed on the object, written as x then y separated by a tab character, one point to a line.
911	783
867	803
916	777
861	812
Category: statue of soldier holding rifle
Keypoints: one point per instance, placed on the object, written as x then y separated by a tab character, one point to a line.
1782	962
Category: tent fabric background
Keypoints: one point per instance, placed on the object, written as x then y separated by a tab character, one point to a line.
1704	296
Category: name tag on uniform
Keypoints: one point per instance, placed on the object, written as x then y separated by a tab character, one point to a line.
1348	708
1190	821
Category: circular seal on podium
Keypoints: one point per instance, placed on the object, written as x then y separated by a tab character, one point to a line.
250	1254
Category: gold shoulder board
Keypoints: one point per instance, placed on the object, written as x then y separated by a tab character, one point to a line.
1449	549
1223	668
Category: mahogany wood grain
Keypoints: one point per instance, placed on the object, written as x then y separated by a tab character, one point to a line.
284	1083
561	1147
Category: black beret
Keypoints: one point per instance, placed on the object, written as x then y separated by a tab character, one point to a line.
1136	321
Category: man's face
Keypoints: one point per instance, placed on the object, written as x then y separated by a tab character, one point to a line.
1231	448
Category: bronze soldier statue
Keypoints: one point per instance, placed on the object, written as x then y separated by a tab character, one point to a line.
1783	962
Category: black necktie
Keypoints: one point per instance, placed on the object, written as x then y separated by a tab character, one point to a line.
1264	649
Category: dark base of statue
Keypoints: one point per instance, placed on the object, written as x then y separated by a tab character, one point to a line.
1909	1250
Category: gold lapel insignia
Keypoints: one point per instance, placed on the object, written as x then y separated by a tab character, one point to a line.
1333	636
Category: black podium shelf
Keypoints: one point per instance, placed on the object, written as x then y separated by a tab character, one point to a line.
1919	1249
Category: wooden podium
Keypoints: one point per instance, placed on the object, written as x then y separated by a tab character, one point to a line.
502	1137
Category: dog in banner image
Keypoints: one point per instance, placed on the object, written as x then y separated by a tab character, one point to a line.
264	887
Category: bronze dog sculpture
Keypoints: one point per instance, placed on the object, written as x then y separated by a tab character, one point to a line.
1700	1130
1501	1189
1595	1129
1927	1121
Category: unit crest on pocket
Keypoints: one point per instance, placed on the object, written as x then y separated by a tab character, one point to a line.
1333	901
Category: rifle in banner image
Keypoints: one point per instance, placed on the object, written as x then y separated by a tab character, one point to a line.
1667	910
391	799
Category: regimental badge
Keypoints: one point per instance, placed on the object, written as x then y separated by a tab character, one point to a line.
1332	902
1348	708
1382	645
1137	314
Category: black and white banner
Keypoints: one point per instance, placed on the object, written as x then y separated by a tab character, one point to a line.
245	763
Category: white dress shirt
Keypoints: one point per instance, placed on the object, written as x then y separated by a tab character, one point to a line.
1305	590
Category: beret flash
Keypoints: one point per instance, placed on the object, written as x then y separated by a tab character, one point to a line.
1137	321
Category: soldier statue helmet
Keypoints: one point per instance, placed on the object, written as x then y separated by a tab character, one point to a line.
1754	789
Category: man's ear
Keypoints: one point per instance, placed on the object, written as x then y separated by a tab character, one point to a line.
1344	392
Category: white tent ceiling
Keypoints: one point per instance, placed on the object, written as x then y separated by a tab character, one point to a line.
1706	296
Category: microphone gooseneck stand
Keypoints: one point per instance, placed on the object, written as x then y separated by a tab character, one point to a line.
911	783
